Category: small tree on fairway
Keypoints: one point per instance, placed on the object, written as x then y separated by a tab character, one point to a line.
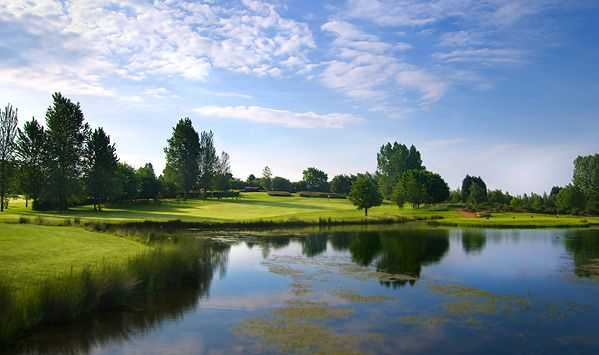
8	133
365	193
30	154
101	168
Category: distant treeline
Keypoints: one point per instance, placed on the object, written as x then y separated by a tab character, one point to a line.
66	163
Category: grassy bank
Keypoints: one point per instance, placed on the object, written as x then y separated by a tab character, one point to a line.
123	275
260	210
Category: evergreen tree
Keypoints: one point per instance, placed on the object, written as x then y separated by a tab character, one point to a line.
467	184
30	153
65	144
266	179
183	157
101	168
8	133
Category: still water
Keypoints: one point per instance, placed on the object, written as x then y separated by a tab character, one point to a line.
401	290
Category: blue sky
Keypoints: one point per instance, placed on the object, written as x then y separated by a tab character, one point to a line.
505	89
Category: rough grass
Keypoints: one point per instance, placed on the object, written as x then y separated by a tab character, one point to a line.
33	253
256	207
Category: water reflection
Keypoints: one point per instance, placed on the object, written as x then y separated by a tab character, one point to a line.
473	241
119	327
583	245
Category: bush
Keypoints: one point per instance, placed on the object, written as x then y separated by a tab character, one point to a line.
320	194
280	193
221	194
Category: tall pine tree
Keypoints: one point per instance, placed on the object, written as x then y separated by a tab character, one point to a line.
66	136
101	167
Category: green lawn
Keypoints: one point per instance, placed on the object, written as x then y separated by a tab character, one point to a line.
260	206
31	253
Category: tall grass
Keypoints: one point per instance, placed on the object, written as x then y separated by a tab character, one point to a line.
70	296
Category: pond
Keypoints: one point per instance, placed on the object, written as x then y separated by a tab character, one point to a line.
387	290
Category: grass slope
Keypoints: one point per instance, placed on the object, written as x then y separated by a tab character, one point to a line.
32	253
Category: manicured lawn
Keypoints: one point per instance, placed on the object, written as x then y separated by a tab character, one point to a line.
31	253
260	206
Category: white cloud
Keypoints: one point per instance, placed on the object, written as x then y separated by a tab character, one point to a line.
367	68
101	39
278	117
482	56
432	89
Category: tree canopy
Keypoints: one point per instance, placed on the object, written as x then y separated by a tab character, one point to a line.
393	160
365	193
316	180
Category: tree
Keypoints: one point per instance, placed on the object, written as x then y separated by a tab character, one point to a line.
66	135
411	187
393	160
468	182
101	168
208	160
341	184
420	186
30	152
183	157
8	133
223	177
477	194
266	178
365	193
252	181
570	199
586	179
316	180
126	182
149	185
281	184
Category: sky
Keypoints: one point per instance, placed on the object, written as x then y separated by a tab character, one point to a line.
504	89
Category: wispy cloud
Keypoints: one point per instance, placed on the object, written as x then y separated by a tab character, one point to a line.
266	115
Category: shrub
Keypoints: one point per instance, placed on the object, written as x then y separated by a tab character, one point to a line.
320	194
280	193
221	194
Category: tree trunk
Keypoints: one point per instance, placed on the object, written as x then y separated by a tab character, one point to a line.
366	212
3	185
26	202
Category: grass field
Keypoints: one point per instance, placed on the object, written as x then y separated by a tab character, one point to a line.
31	253
261	207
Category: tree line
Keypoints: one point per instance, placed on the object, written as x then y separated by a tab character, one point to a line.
65	162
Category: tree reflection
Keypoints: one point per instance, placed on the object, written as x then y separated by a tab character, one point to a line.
583	245
473	241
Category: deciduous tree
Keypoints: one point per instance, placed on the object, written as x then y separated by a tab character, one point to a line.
8	133
365	193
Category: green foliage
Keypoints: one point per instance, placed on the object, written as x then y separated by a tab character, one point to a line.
570	199
279	193
30	152
67	133
392	162
477	194
8	134
281	184
126	182
341	184
586	179
420	187
365	193
183	156
316	180
223	176
481	190
149	185
320	194
266	181
208	160
100	168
